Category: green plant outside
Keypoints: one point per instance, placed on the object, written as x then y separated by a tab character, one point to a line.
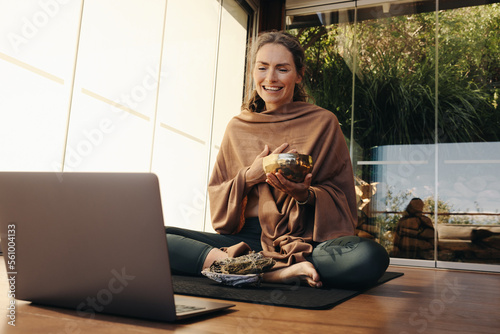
395	64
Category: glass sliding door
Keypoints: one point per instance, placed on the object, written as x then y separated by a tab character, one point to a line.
417	100
469	136
393	115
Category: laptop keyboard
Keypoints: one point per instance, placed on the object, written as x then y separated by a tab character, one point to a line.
186	308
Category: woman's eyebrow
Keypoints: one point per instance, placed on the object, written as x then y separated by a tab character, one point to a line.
264	63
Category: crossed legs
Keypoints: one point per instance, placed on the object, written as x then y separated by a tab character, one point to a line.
349	262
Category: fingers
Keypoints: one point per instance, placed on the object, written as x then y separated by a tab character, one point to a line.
272	180
283	181
307	180
294	189
280	181
264	152
280	148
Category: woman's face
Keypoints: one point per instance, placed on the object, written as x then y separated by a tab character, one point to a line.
275	75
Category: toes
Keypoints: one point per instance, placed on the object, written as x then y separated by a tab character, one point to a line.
313	283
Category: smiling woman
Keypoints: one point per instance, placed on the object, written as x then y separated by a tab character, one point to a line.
306	227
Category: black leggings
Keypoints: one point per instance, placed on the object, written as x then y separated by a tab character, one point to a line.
348	262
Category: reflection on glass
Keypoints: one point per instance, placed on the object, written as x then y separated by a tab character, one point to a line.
422	121
414	233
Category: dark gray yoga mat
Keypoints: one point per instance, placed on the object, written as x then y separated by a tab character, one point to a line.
289	295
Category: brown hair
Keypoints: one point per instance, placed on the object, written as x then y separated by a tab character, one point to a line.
253	102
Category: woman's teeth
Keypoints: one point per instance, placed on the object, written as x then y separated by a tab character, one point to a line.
272	88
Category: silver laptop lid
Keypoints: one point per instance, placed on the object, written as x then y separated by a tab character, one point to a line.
94	242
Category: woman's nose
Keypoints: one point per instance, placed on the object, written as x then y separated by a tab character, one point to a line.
271	76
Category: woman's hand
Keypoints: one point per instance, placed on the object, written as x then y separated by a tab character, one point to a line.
299	191
255	174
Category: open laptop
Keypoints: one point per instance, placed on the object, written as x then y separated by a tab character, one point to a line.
92	242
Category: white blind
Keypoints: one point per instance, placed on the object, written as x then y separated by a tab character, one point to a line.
294	4
296	7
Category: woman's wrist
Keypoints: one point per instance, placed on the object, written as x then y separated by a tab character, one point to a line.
250	180
306	198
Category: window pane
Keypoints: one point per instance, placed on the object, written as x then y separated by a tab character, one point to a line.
230	77
469	143
387	115
113	105
37	56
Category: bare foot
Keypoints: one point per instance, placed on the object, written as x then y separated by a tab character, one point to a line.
304	271
212	256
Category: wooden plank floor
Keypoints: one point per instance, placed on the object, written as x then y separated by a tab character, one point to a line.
422	301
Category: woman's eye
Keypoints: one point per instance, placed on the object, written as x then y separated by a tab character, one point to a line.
261	68
283	70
